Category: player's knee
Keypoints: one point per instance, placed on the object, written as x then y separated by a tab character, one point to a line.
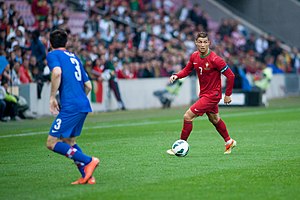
188	117
213	121
50	144
69	141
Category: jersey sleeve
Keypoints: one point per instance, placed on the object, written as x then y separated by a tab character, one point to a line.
226	71
52	61
220	64
187	69
229	80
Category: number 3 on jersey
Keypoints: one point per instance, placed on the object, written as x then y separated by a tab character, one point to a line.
56	127
77	73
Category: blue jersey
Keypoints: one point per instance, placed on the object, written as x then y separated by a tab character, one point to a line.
71	90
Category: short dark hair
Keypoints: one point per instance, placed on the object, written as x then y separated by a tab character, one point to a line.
201	34
58	38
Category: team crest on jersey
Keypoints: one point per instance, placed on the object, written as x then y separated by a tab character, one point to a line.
206	66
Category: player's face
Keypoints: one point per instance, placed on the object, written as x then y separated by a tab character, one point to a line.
202	45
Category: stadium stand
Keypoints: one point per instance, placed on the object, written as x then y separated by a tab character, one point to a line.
142	38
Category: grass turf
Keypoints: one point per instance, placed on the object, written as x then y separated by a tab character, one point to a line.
134	165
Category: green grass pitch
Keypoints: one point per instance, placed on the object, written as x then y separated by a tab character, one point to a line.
134	165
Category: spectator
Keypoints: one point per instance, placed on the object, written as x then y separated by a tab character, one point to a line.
6	74
38	78
25	73
40	9
2	103
3	62
10	101
15	80
86	34
20	36
3	42
250	44
107	29
183	11
261	44
125	32
262	78
92	23
37	48
2	8
224	29
109	69
295	62
270	63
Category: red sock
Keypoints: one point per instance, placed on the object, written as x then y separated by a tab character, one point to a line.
221	128
186	130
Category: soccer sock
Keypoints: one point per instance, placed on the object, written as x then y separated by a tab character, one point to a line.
66	150
221	128
80	165
186	130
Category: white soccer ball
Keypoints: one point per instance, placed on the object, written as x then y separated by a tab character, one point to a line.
180	148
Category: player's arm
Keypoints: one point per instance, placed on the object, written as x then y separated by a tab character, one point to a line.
86	80
87	87
184	72
55	83
226	71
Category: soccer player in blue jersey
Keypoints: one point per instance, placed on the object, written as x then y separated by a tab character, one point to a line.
70	79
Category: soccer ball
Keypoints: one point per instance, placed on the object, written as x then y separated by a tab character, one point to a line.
180	148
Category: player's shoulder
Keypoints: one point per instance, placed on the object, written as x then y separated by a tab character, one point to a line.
195	54
213	54
50	53
53	53
215	57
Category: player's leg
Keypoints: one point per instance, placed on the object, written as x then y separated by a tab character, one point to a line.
86	169
57	145
72	142
90	163
68	126
201	106
187	127
220	126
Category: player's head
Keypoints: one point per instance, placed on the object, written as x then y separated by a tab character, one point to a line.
202	42
58	38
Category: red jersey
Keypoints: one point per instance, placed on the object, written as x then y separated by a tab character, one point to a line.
209	69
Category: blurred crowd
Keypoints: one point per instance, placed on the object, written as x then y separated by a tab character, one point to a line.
142	38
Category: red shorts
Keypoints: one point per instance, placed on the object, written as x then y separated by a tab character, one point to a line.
205	105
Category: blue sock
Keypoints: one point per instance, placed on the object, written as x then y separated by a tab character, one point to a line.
66	150
80	165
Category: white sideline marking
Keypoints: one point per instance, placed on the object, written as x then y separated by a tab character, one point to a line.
158	122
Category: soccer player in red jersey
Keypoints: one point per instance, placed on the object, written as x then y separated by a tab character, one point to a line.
209	67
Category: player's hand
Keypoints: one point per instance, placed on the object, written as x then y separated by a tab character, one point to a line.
54	107
227	100
173	78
